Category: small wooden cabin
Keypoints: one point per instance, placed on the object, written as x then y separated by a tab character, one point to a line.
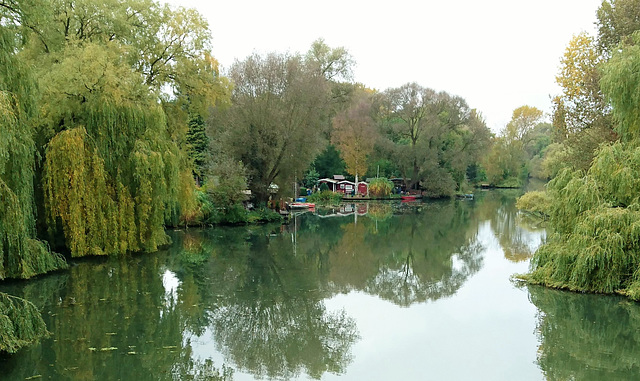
341	185
363	188
332	184
346	187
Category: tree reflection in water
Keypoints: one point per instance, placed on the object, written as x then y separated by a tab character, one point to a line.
111	319
587	337
424	251
271	320
258	291
518	239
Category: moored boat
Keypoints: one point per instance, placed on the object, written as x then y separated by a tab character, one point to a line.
302	205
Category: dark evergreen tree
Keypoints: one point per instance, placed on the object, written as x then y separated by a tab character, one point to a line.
329	163
198	144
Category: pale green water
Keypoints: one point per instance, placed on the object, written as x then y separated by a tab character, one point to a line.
416	291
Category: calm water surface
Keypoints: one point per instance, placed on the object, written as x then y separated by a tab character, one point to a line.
378	291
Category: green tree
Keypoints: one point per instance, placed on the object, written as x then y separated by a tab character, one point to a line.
329	162
334	64
583	103
21	254
512	151
273	126
620	83
433	137
102	67
226	180
617	21
594	213
581	114
464	144
198	143
536	150
311	177
408	112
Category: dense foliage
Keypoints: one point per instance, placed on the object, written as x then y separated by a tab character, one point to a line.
596	222
273	127
380	187
21	254
432	137
595	213
325	197
518	152
116	123
95	99
535	202
20	323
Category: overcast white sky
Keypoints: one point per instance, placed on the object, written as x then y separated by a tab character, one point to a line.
496	54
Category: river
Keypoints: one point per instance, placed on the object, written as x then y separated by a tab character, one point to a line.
368	291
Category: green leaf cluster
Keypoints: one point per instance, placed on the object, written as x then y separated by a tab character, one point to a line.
380	187
596	221
20	324
325	197
21	254
535	202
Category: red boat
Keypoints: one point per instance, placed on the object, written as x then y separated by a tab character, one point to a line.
302	205
408	198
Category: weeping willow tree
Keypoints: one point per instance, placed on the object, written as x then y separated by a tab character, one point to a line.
20	323
115	169
596	213
21	254
112	181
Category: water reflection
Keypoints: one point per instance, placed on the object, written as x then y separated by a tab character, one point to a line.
258	290
270	320
252	301
406	253
110	320
587	337
518	236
